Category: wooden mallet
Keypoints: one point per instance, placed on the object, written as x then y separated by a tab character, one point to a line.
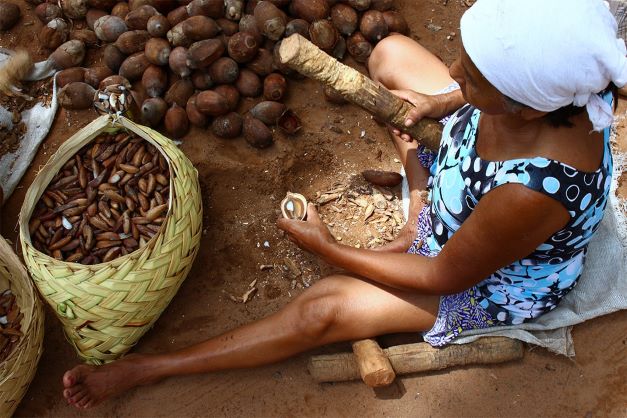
418	357
303	56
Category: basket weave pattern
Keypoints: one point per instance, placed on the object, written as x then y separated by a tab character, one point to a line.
106	308
17	371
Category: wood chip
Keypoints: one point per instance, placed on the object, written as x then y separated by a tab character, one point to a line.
292	267
326	198
249	295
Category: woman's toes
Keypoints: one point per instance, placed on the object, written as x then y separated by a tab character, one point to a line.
74	376
84	403
78	397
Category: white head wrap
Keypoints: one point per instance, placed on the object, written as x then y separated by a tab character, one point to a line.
547	54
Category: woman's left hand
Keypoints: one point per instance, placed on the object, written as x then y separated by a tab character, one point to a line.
311	235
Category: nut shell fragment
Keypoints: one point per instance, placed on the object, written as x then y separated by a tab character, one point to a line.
294	206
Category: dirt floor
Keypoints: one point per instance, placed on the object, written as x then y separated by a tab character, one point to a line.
241	190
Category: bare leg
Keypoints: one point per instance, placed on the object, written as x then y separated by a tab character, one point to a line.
398	62
338	308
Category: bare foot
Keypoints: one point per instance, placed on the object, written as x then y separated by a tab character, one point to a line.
87	386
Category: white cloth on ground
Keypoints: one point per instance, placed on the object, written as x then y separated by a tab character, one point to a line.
547	54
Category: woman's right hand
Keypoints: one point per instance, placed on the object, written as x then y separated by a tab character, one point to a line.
425	106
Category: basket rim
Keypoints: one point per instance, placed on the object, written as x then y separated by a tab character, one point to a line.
107	122
35	311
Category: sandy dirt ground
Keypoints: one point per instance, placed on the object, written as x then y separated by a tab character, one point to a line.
241	190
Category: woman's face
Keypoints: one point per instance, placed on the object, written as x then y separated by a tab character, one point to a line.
476	89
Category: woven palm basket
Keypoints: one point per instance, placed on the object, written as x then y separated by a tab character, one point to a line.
17	370
105	308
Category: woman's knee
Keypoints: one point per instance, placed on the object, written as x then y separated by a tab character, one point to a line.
319	312
384	55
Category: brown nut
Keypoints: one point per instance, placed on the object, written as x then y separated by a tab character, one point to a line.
323	34
132	41
95	75
248	83
195	28
230	93
176	122
243	47
382	5
195	116
262	64
102	4
228	27
344	18
256	133
270	20
120	10
339	50
201	80
109	28
268	112
86	36
358	47
138	19
360	5
274	87
158	26
310	10
69	54
76	95
224	71
233	9
70	75
54	33
157	51
209	8
227	126
155	81
211	103
177	15
178	62
396	22
113	57
74	9
180	92
373	26
153	110
299	26
134	66
201	54
248	24
45	12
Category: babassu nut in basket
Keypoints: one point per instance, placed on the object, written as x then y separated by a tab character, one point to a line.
107	201
10	324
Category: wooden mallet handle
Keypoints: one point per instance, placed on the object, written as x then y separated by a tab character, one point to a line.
419	357
374	367
306	58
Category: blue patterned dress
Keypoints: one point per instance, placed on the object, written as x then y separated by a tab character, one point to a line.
535	284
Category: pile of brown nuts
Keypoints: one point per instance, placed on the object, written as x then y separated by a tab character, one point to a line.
189	62
107	201
10	324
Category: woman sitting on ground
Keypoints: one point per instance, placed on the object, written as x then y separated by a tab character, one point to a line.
518	188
